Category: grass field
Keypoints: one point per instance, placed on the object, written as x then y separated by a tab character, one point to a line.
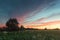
31	35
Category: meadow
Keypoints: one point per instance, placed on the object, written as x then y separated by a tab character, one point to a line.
31	35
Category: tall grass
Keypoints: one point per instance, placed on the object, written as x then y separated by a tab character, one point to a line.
31	35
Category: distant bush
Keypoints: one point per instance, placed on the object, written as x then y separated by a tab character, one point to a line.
45	29
22	28
56	29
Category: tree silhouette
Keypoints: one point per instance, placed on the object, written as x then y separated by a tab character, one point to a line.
22	28
45	29
12	24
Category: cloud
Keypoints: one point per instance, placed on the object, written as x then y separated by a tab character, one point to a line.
52	15
42	20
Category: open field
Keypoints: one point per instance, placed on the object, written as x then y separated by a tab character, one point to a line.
31	35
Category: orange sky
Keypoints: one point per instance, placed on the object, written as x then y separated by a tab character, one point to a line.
49	25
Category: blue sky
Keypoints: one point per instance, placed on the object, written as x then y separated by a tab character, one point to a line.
29	10
51	11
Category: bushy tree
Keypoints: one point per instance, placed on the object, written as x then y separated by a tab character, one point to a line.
45	29
12	24
22	28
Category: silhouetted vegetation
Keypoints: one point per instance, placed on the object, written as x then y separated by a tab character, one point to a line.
12	25
56	29
22	28
45	29
31	29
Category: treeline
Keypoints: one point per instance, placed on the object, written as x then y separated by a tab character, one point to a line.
12	25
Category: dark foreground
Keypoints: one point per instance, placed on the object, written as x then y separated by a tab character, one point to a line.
31	35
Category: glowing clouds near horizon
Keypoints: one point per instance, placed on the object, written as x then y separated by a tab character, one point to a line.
48	25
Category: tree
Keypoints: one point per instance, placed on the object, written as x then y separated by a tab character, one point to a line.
22	28
45	29
12	24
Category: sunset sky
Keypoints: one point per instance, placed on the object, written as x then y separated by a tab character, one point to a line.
31	13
